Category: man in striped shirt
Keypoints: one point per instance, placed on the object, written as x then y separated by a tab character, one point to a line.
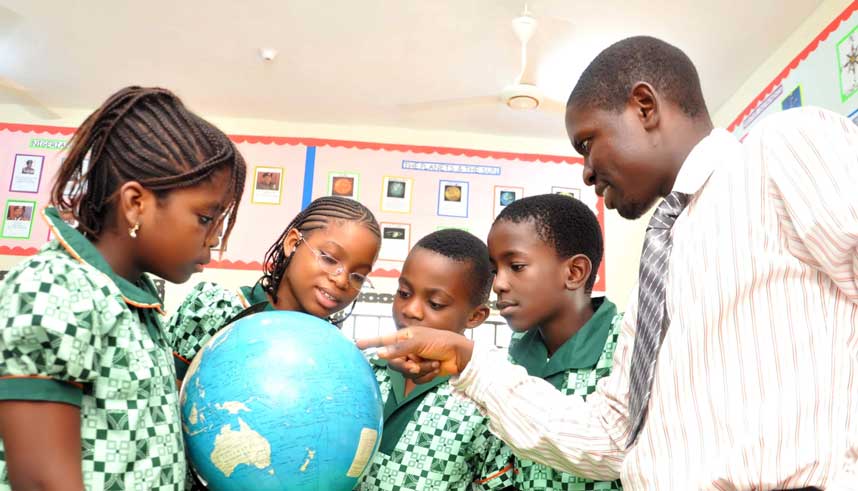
754	384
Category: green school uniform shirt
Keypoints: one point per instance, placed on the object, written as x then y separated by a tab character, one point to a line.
575	368
433	440
74	332
203	313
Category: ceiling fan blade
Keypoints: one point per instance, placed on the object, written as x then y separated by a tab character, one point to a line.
457	102
530	66
25	99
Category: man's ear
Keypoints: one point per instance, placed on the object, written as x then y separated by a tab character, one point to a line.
644	101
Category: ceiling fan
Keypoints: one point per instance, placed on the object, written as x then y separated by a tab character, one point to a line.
14	91
523	94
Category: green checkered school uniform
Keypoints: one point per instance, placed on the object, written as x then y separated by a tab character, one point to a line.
575	368
433	440
203	313
74	332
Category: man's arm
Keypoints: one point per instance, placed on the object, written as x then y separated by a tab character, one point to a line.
536	420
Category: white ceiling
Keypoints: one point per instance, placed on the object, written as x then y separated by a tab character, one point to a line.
352	62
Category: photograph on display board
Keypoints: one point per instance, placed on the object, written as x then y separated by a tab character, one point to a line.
793	99
26	173
395	241
267	185
75	185
847	57
344	184
18	219
453	198
505	196
396	194
571	192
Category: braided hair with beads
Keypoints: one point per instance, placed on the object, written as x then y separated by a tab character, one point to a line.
317	215
145	135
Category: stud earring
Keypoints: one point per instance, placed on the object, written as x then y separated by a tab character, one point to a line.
133	230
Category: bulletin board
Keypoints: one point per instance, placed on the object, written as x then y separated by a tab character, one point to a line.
413	190
823	74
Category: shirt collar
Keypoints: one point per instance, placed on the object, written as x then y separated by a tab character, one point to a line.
703	159
141	295
252	295
582	350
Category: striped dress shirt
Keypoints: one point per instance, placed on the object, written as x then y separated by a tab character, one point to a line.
755	383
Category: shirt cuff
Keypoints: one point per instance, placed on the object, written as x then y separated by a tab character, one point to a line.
40	389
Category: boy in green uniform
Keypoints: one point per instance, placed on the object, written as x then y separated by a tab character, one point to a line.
546	250
432	439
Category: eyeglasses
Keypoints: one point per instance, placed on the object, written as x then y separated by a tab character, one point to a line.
334	267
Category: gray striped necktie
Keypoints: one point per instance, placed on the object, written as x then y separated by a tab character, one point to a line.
652	319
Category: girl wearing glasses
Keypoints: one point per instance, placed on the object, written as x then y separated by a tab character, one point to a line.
318	266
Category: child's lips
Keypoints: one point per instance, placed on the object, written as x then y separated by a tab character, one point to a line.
505	307
325	299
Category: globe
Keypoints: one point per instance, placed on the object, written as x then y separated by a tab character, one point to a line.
280	401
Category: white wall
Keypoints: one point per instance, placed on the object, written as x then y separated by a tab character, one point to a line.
624	238
769	69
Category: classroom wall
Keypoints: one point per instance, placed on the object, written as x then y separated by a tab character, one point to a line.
624	238
780	58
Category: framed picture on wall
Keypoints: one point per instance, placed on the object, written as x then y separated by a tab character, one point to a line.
453	198
505	195
267	185
27	173
345	184
75	185
18	219
396	193
793	99
571	192
68	218
395	241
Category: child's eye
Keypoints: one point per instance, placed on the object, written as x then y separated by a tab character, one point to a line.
517	267
583	147
435	305
205	220
402	294
329	260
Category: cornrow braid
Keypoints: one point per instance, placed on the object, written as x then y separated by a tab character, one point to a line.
149	136
317	215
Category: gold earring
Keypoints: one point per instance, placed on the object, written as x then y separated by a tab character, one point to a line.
133	230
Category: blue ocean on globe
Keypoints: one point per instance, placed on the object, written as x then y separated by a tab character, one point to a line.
280	401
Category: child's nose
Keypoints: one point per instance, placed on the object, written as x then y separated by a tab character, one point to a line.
412	310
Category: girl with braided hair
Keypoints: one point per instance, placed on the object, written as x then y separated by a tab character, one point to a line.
317	266
88	398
